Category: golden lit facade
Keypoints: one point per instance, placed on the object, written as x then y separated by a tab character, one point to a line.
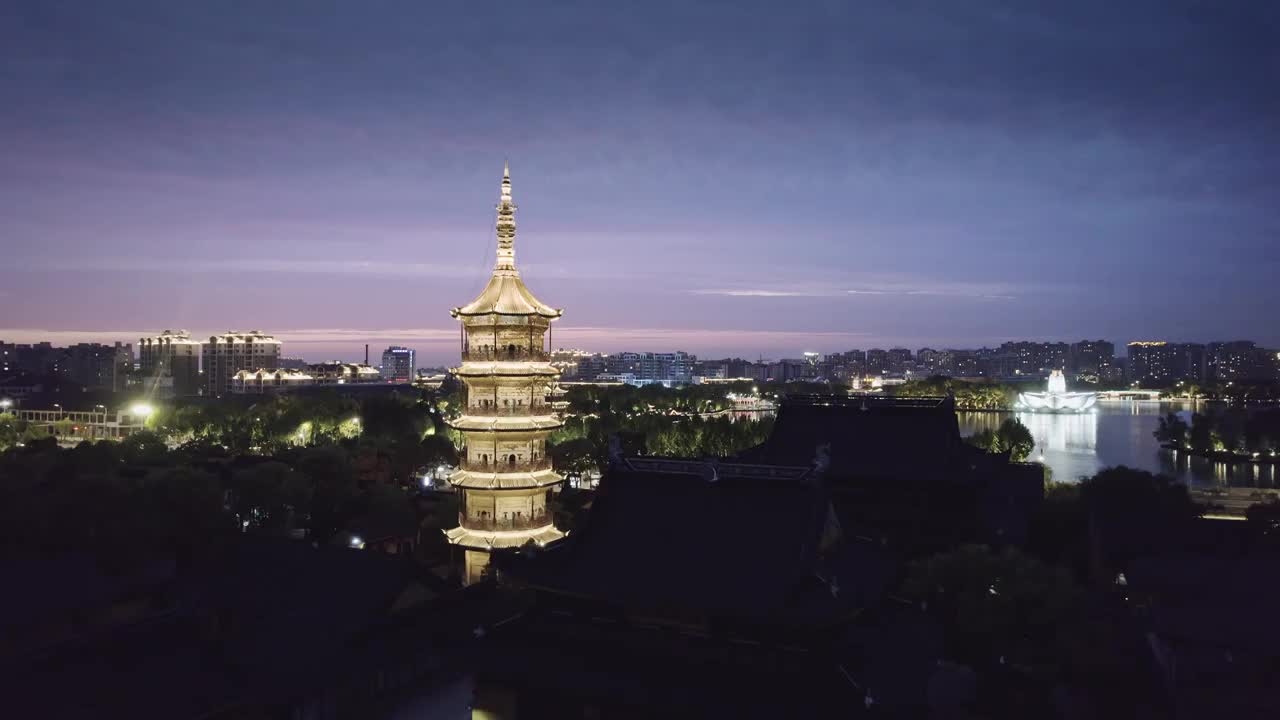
505	479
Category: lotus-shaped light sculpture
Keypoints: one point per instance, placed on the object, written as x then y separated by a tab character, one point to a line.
1056	399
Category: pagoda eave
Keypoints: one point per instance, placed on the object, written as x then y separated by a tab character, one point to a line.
527	423
505	481
505	368
491	539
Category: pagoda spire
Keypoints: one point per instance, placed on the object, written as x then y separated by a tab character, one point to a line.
506	226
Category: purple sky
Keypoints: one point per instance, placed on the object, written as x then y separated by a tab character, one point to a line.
724	178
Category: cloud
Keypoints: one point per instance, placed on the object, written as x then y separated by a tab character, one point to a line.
248	265
763	293
943	290
934	292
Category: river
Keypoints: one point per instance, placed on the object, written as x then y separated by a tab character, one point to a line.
1118	433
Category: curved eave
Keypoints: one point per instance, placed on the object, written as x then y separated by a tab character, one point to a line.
553	314
506	294
501	368
529	423
473	480
495	539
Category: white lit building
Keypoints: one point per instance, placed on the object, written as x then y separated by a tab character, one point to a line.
339	373
225	355
261	382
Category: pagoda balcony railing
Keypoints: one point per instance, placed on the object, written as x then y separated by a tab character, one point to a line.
508	410
508	467
505	354
519	522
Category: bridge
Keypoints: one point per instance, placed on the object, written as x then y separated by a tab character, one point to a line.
1129	395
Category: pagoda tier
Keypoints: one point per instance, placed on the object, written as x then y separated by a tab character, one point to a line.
505	479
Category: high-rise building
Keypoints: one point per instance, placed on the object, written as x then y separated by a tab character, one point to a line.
97	366
506	478
1234	360
8	359
669	368
1092	357
170	363
398	364
1031	358
1164	363
964	363
225	355
935	362
898	359
877	361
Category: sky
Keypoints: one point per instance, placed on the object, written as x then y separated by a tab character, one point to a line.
727	178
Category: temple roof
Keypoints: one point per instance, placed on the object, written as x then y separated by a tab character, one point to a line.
868	436
726	538
506	293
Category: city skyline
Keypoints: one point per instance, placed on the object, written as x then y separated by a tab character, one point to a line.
733	181
348	347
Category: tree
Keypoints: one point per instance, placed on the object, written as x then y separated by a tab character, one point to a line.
1125	492
1012	438
333	487
1015	439
266	495
994	604
577	455
10	432
144	448
1173	429
1200	436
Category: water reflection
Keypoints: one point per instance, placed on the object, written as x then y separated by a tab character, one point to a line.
1118	433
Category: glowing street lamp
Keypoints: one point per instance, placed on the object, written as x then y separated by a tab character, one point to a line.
5	404
141	410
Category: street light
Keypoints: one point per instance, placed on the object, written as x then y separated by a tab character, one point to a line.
5	404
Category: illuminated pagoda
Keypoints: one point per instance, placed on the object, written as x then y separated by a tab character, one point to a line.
505	477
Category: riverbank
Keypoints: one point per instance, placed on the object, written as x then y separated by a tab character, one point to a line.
1226	456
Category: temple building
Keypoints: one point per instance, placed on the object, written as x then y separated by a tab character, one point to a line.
505	477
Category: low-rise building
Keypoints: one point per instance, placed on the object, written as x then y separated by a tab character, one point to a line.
260	382
339	373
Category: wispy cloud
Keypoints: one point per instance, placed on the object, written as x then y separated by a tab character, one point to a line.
755	292
944	290
949	293
248	265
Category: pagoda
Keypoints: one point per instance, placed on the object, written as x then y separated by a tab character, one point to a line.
505	477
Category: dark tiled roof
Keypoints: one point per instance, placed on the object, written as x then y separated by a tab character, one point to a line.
868	436
724	539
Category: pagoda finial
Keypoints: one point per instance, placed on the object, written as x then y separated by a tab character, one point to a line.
506	226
